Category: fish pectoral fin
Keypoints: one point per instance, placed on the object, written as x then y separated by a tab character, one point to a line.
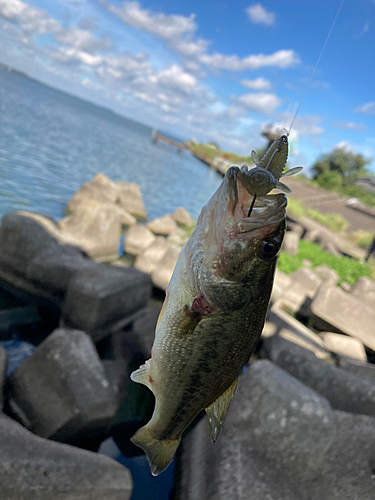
159	452
142	375
217	410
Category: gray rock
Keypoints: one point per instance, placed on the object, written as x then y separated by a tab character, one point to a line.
295	227
290	335
130	198
348	471
163	272
274	442
182	217
137	239
364	290
328	276
342	345
95	227
301	291
163	226
21	239
290	243
53	268
100	189
362	370
33	468
345	391
335	310
3	371
281	283
148	260
105	298
61	390
346	286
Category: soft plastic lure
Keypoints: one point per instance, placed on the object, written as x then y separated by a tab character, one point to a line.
264	177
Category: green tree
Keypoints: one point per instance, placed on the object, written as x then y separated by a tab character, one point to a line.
349	165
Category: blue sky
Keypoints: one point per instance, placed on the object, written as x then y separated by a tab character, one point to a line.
209	70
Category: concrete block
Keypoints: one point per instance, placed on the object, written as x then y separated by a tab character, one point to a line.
290	335
182	217
290	243
273	443
149	259
302	290
335	310
345	346
362	370
162	226
163	272
364	291
137	239
130	198
281	283
61	391
345	391
328	276
33	468
95	227
105	298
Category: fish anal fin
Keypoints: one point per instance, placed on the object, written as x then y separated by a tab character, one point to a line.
159	452
142	375
217	410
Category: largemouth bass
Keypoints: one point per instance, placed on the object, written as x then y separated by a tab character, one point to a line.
214	309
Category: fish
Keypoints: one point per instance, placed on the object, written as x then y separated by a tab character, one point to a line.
214	311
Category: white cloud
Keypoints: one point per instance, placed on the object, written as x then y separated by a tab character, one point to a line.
174	76
259	15
368	108
82	39
179	32
307	125
358	127
257	84
281	59
71	55
32	20
345	146
163	25
263	103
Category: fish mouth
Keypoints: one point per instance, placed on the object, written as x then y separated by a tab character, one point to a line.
267	211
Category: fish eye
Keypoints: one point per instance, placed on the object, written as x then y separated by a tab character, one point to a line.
268	248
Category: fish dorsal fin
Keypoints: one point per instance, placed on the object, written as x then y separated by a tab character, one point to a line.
142	375
217	410
254	157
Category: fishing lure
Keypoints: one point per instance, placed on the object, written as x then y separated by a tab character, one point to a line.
264	177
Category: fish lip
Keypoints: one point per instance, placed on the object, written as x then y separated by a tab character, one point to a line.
268	210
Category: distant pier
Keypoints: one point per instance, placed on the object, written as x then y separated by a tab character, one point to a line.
158	137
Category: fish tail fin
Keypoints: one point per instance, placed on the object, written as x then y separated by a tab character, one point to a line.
159	452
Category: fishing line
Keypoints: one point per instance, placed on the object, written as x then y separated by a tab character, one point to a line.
316	65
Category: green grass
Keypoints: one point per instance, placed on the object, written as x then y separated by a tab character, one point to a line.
349	270
362	238
210	153
333	221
